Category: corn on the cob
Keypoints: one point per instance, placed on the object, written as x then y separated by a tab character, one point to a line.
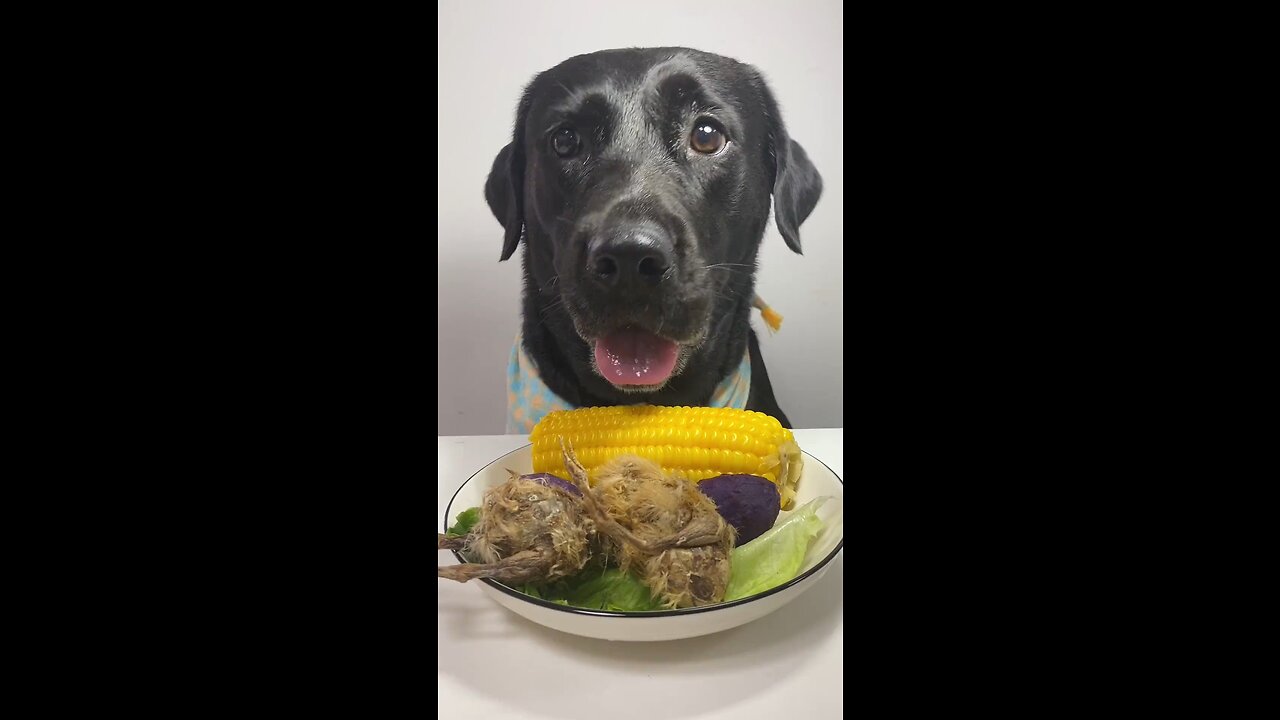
694	443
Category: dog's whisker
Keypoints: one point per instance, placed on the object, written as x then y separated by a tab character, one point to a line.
554	279
731	268
553	305
732	296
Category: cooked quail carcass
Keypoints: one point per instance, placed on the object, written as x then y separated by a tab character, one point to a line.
531	529
659	526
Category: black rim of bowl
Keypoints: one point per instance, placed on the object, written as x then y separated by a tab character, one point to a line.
639	613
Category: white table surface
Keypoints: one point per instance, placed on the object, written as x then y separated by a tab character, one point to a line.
492	663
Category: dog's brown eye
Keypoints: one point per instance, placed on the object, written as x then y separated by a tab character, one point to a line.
707	138
565	142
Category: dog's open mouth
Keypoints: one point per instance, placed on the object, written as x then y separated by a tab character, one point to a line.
631	356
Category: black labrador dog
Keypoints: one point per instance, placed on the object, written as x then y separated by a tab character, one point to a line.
640	182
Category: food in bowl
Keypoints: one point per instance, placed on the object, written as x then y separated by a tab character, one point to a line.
656	540
660	527
530	529
694	443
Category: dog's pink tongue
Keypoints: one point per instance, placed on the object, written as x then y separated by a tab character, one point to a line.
635	357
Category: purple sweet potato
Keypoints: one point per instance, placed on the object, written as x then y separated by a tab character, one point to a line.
749	503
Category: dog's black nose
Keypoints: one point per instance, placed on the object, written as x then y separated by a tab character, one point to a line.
633	254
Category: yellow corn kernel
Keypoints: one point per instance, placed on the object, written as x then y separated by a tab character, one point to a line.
697	443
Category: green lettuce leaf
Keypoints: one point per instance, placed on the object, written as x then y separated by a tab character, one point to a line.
776	556
465	521
613	590
597	588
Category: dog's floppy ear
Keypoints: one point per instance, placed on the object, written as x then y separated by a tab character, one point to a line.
504	190
796	182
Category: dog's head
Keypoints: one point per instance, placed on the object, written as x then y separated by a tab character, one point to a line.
640	181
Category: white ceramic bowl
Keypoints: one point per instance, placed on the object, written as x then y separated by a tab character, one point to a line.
815	481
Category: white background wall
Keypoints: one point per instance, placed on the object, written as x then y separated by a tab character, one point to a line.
489	49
